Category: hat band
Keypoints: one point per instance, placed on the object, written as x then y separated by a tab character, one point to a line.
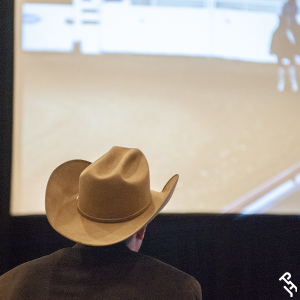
116	220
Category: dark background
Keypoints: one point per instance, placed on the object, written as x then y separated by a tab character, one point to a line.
232	256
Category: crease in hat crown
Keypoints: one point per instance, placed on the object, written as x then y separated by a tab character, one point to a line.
116	187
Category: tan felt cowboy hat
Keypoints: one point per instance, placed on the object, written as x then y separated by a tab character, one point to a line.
104	202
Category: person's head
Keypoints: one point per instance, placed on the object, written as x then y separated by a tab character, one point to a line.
107	201
134	242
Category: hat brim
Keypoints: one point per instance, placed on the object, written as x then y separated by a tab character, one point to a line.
63	216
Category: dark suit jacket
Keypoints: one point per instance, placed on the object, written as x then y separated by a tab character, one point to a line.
84	272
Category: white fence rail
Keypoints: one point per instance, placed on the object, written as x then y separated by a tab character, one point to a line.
272	6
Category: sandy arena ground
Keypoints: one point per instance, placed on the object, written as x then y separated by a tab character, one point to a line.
221	125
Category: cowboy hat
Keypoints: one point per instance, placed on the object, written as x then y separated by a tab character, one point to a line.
104	202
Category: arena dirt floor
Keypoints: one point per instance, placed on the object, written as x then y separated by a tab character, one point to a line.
220	124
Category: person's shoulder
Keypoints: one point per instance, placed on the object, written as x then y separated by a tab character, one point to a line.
32	267
161	273
31	277
156	264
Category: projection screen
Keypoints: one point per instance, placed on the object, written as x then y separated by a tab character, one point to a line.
199	86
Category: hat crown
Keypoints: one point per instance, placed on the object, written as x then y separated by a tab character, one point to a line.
116	187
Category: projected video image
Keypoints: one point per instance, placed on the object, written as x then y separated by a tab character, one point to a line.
206	89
